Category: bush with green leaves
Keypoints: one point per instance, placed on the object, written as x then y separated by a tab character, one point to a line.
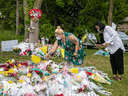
127	32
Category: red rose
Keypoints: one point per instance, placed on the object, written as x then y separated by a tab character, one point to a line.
6	69
80	90
59	95
37	71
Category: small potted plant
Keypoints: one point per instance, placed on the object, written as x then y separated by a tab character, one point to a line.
16	51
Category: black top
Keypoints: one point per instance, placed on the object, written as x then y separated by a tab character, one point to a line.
101	39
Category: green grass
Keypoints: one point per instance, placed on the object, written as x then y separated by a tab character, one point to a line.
102	63
6	35
5	56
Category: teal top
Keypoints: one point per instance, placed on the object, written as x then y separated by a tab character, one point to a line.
70	49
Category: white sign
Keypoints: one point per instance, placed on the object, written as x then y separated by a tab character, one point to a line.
8	45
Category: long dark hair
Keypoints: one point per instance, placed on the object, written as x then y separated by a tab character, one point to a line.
100	24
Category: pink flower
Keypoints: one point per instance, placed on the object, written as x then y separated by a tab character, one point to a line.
85	86
71	47
11	74
33	67
38	40
15	74
30	94
80	61
65	72
66	57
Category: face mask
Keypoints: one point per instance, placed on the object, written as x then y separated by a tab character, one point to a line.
58	38
99	31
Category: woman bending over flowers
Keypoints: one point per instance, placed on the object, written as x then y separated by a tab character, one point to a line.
74	51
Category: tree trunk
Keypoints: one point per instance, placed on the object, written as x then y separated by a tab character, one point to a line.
110	13
17	17
26	34
55	21
33	37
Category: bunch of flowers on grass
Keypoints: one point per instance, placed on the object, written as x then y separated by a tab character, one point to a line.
16	49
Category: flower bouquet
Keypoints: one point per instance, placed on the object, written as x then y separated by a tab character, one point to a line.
100	47
31	29
28	51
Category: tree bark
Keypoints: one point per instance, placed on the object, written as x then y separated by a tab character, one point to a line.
26	34
17	17
55	21
110	13
33	37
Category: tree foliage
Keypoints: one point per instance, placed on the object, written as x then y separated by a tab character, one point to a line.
120	11
74	16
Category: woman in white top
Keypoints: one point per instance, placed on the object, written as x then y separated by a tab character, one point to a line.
115	46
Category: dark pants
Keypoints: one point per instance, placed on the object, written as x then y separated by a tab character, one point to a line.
117	63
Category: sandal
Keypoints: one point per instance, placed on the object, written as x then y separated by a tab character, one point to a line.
119	79
113	77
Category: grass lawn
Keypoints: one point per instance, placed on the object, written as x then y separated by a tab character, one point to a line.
102	63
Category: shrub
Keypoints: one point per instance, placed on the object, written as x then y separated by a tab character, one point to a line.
127	32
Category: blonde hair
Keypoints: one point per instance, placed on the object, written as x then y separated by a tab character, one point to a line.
59	30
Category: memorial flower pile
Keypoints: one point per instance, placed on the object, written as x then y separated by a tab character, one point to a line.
28	51
46	77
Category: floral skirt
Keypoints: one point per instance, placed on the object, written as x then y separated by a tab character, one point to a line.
77	60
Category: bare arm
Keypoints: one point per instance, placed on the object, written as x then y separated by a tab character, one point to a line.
55	46
74	40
